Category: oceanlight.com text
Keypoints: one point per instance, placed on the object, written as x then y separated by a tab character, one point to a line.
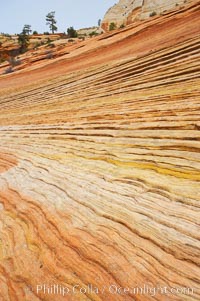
113	289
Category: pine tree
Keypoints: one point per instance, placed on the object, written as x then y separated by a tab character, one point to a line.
27	29
23	38
50	18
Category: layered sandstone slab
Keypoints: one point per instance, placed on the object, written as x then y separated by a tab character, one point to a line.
99	168
127	11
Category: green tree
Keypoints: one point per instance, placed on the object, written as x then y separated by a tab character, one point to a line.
112	26
35	32
23	40
50	18
72	33
99	22
27	29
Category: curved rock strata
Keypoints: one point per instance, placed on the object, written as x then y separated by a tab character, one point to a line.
128	11
99	172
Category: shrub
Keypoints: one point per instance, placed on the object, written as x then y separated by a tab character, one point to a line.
153	14
112	26
23	40
72	33
93	33
49	41
35	32
122	26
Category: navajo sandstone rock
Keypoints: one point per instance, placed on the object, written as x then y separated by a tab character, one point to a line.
127	11
100	167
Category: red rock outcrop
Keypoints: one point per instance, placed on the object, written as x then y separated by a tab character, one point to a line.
99	168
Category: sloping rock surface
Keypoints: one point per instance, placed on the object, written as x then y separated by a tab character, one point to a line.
99	168
127	11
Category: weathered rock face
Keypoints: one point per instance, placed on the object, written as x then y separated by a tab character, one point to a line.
88	31
99	169
121	12
127	11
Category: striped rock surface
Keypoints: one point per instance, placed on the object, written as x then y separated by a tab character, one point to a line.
99	169
128	11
